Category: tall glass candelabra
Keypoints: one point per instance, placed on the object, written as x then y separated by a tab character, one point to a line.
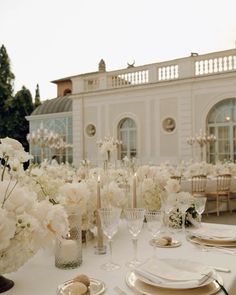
202	139
108	145
43	138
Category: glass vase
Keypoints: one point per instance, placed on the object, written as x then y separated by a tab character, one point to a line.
68	252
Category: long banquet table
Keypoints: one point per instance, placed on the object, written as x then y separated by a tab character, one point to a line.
39	276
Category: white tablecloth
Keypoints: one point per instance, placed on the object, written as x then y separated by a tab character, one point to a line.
40	277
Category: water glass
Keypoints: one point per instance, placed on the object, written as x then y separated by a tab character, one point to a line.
154	222
134	219
200	204
110	220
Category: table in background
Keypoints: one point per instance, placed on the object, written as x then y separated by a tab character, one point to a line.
211	186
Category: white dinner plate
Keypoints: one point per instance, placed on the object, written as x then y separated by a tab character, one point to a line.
226	235
146	289
211	242
175	273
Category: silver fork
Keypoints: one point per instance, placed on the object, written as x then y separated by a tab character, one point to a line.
119	291
217	248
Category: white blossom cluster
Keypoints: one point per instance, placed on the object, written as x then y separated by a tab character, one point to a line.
151	186
25	223
108	144
175	204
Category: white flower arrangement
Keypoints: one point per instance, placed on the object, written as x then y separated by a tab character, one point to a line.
80	194
113	195
151	186
25	223
173	203
108	145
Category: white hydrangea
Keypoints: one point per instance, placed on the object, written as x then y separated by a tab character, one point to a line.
172	186
7	228
26	224
113	195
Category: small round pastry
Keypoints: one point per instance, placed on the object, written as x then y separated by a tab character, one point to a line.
77	288
162	242
83	279
169	239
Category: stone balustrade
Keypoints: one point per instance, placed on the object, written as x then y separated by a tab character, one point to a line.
193	66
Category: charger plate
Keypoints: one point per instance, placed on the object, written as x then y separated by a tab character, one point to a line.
174	244
96	287
145	289
211	242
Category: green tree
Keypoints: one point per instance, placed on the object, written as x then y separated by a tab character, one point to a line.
21	106
37	101
6	90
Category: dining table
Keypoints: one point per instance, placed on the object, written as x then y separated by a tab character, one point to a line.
39	276
211	184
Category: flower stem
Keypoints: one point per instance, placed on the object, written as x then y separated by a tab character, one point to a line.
4	167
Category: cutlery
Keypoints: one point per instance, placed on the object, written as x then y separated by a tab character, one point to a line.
119	291
219	249
220	269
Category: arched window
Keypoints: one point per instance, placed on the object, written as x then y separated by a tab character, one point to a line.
221	122
128	135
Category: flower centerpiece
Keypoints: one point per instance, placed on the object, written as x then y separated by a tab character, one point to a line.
176	202
108	145
151	187
26	224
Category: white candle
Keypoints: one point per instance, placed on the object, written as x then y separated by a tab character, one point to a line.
69	251
98	193
99	227
134	200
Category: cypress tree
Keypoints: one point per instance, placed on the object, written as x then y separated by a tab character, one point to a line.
37	101
21	106
6	90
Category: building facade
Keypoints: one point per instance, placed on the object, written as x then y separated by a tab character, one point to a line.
154	108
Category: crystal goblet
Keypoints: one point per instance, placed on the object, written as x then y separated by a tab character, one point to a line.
154	220
200	204
134	219
109	220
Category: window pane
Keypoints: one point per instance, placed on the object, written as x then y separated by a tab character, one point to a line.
127	134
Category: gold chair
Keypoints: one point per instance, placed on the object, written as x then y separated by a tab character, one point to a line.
176	177
222	192
198	184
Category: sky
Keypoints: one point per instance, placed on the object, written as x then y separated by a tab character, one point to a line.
52	39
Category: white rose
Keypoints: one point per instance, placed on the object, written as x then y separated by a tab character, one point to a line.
15	144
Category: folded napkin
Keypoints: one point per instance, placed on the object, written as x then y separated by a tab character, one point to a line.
174	273
214	233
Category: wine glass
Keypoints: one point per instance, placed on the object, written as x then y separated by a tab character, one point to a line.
184	202
154	219
200	203
134	219
167	206
109	220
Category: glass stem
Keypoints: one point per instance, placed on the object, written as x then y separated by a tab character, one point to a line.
135	246
154	250
183	223
110	250
166	222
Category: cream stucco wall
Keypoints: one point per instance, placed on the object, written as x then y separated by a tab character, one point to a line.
188	102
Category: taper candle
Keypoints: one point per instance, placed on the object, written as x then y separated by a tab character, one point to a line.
98	193
134	199
100	249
